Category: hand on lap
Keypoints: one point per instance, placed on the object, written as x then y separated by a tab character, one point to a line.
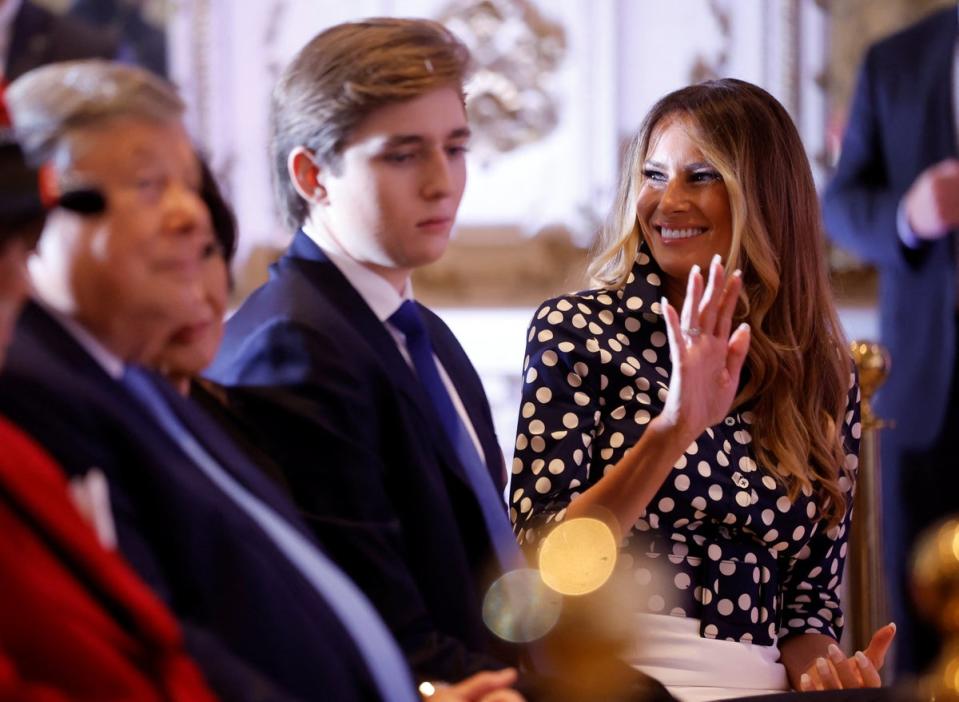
837	672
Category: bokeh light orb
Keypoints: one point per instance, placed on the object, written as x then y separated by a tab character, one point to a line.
935	576
578	556
519	608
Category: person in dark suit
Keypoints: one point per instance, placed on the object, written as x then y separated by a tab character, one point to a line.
366	399
265	613
37	36
372	178
894	202
75	619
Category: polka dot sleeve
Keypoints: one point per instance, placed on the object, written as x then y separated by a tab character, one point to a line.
557	418
811	581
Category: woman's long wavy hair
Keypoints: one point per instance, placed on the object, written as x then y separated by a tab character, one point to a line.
797	370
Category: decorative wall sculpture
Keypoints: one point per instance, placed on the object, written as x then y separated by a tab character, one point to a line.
511	97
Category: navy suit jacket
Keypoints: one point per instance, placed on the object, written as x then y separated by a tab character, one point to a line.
39	36
254	624
902	122
365	456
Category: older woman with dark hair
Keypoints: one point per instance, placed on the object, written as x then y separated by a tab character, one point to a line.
713	415
191	348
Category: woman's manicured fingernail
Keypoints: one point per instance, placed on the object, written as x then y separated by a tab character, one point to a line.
717	258
738	273
822	666
861	659
835	654
805	681
893	625
694	270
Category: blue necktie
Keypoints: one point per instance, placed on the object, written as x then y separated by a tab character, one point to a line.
408	320
373	640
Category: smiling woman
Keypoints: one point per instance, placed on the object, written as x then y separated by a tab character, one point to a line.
721	441
683	206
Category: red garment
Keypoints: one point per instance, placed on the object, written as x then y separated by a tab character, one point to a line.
56	633
4	114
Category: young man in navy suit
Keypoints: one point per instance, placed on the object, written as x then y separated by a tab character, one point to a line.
265	613
369	142
368	145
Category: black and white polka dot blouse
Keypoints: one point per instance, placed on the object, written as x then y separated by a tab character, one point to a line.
721	541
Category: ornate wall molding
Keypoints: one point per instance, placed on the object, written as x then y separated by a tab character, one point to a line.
511	96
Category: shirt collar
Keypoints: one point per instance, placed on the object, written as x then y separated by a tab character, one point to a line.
381	297
106	359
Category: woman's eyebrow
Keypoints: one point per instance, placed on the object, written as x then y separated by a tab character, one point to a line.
699	165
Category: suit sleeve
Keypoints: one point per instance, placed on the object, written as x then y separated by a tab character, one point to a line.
860	204
811	584
323	421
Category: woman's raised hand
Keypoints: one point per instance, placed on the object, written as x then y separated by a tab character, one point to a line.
706	358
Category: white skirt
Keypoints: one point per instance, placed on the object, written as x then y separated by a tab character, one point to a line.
695	669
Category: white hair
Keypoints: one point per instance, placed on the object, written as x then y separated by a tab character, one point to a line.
48	105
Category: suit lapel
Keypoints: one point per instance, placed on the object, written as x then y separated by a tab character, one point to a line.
306	259
229	457
52	336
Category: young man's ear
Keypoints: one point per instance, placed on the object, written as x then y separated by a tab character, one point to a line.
305	175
